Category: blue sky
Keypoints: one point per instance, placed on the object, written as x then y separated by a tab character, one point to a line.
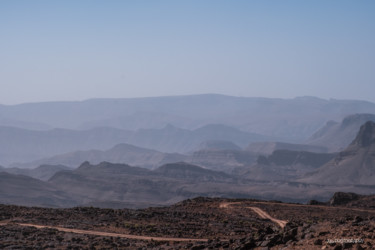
75	50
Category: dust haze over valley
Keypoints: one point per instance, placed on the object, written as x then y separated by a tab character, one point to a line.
140	152
187	125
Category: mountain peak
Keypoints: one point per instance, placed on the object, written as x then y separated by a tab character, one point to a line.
366	135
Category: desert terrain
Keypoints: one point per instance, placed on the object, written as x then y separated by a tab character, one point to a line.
200	223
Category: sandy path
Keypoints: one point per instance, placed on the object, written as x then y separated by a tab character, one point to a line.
259	211
227	204
98	233
282	223
314	206
265	215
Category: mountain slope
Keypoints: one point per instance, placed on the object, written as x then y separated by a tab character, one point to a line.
353	166
24	190
337	136
285	165
107	183
43	172
267	148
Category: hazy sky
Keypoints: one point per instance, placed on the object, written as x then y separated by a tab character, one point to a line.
74	50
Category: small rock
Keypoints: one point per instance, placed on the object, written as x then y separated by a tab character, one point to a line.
359	247
318	242
338	247
265	243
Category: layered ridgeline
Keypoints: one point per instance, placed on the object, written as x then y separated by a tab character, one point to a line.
112	185
296	118
353	166
121	153
212	157
43	172
20	145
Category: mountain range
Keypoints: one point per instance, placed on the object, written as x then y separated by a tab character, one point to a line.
217	149
284	175
20	145
121	153
288	119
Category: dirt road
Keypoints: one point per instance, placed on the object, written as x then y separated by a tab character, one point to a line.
98	233
259	211
265	215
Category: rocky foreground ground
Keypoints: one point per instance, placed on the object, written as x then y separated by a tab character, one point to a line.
200	223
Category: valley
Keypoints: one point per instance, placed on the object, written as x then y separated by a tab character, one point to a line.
208	184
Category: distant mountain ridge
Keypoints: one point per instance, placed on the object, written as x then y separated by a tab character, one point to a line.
215	159
19	146
121	153
43	172
292	119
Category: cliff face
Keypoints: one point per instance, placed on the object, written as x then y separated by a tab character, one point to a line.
337	136
353	166
366	136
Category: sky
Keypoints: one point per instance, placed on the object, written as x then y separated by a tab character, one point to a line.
82	49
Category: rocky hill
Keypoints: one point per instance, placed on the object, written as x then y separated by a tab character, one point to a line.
107	182
285	165
24	190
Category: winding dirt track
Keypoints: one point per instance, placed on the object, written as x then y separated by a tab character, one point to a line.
264	215
225	205
260	212
282	223
98	233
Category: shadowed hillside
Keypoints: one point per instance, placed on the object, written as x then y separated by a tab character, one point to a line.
354	165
